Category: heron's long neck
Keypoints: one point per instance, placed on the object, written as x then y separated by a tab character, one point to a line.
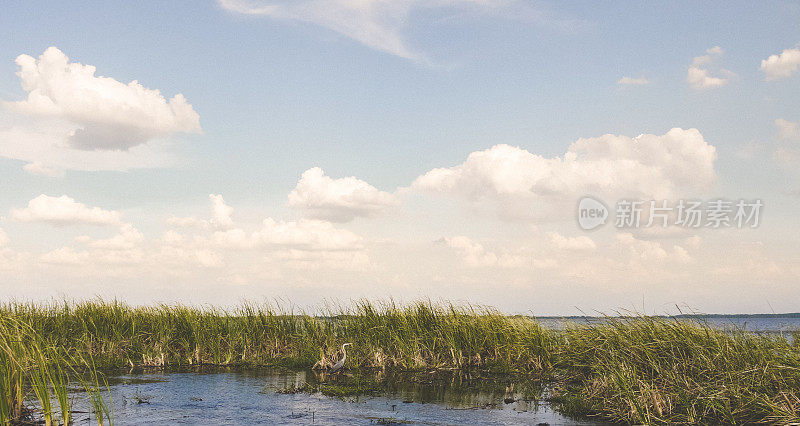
344	352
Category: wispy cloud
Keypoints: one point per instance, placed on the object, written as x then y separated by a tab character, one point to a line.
630	81
380	24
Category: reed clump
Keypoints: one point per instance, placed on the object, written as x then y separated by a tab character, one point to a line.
35	378
668	371
384	336
634	370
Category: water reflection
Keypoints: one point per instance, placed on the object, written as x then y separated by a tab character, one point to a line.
217	397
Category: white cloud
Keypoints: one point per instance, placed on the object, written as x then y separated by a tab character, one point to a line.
644	250
787	150
11	260
220	216
339	200
64	210
279	243
172	238
475	255
3	238
781	66
182	255
66	256
220	212
305	244
679	162
699	77
96	257
578	243
788	129
37	168
630	81
187	257
74	120
315	260
377	24
188	222
306	234
43	145
110	115
127	239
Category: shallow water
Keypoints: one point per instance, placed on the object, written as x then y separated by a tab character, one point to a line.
249	397
773	324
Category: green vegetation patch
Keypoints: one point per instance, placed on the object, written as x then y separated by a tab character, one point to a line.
631	370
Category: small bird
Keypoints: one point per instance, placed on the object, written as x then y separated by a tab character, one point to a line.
339	365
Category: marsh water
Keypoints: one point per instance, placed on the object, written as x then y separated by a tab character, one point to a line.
224	397
761	324
251	397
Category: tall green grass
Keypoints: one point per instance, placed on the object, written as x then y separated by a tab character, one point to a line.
633	370
655	370
33	374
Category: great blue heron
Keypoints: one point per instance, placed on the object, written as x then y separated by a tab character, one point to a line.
339	365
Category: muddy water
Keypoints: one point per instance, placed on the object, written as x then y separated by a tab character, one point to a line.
250	397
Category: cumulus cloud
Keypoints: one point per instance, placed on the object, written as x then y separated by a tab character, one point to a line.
220	216
307	234
699	77
782	65
578	243
644	250
305	244
220	212
377	24
172	238
69	256
110	114
319	196
475	255
64	210
43	145
66	256
316	260
10	259
630	81
72	119
128	238
300	244
647	166
304	234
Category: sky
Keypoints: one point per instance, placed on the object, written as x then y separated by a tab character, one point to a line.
304	151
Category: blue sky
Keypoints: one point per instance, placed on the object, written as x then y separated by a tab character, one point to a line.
278	93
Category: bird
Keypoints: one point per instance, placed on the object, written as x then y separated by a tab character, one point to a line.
339	365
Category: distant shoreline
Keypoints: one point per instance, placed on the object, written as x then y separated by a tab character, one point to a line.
687	316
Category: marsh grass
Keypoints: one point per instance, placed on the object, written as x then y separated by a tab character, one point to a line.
655	370
34	374
635	370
